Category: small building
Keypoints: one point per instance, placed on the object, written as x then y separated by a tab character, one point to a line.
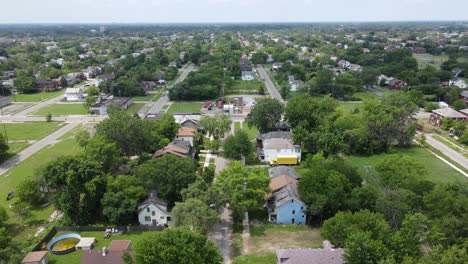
438	114
295	85
277	66
180	148
186	134
86	243
74	95
101	107
46	85
275	144
283	203
149	85
464	96
36	257
102	257
460	83
247	75
325	255
153	211
396	84
4	101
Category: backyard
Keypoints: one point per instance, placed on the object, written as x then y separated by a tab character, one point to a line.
35	97
251	131
185	107
61	110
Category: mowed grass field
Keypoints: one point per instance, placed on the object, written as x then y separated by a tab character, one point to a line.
29	130
244	87
35	97
437	170
427	59
61	110
75	257
185	107
134	108
251	131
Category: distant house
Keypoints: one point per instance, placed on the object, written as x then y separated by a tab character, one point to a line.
186	134
272	145
459	83
325	255
74	77
438	114
92	72
270	59
392	48
36	257
276	66
247	75
419	50
8	74
464	96
295	85
283	203
74	95
46	85
173	64
396	84
153	211
149	85
344	64
4	101
101	107
104	78
179	148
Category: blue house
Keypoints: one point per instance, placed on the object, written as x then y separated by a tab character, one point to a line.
283	204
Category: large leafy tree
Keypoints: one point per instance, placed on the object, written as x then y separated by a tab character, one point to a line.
265	114
362	248
400	171
238	145
168	175
77	185
194	214
177	246
242	188
216	125
102	150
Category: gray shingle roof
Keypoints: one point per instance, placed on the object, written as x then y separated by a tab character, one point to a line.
310	256
283	170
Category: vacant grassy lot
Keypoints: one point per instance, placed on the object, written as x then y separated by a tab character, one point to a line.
244	87
29	130
75	257
267	238
427	59
134	108
251	131
268	258
61	110
183	107
35	97
437	170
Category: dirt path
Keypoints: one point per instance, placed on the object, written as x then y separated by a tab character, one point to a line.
221	235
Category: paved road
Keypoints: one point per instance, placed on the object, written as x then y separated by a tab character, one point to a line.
26	153
155	107
39	105
72	118
452	154
269	84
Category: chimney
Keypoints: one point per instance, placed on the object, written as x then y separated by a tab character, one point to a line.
104	251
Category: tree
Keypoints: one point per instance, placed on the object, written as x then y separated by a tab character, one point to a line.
21	211
459	104
107	153
168	175
3	147
200	190
3	216
24	82
259	58
82	137
77	185
399	171
363	198
237	146
167	127
394	204
216	125
89	102
361	248
265	115
177	246
194	214
242	188
213	145
28	192
92	91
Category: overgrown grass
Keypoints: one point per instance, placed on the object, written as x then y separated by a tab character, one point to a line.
35	97
185	107
61	110
427	59
134	108
29	130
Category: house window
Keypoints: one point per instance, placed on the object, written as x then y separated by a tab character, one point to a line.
294	212
162	217
292	200
147	209
302	216
153	213
147	218
302	207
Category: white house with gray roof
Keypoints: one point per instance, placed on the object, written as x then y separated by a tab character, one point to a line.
276	144
153	211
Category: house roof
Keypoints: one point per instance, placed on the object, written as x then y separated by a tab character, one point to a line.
185	132
153	199
278	143
309	256
35	256
119	245
86	242
283	170
464	111
276	134
464	94
73	90
448	112
284	195
282	181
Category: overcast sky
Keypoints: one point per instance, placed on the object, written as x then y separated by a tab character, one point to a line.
161	11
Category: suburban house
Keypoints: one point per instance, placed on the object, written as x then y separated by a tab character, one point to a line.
247	75
459	82
46	85
153	211
275	144
276	66
92	72
295	85
396	84
283	170
438	114
283	203
104	78
180	148
4	101
36	257
113	254
149	85
344	64
186	134
325	255
101	107
74	77
464	96
74	95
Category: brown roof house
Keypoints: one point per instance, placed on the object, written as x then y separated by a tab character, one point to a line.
325	255
180	148
186	134
438	114
36	257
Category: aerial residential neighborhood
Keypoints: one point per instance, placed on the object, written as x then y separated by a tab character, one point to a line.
151	132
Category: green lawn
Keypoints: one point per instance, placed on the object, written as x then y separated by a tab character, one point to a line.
237	126
427	59
61	110
15	148
240	87
365	95
348	108
251	131
134	108
29	130
437	170
35	97
75	257
182	107
268	258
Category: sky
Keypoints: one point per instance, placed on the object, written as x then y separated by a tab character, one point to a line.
201	11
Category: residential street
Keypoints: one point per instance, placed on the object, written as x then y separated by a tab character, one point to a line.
269	84
452	154
26	153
